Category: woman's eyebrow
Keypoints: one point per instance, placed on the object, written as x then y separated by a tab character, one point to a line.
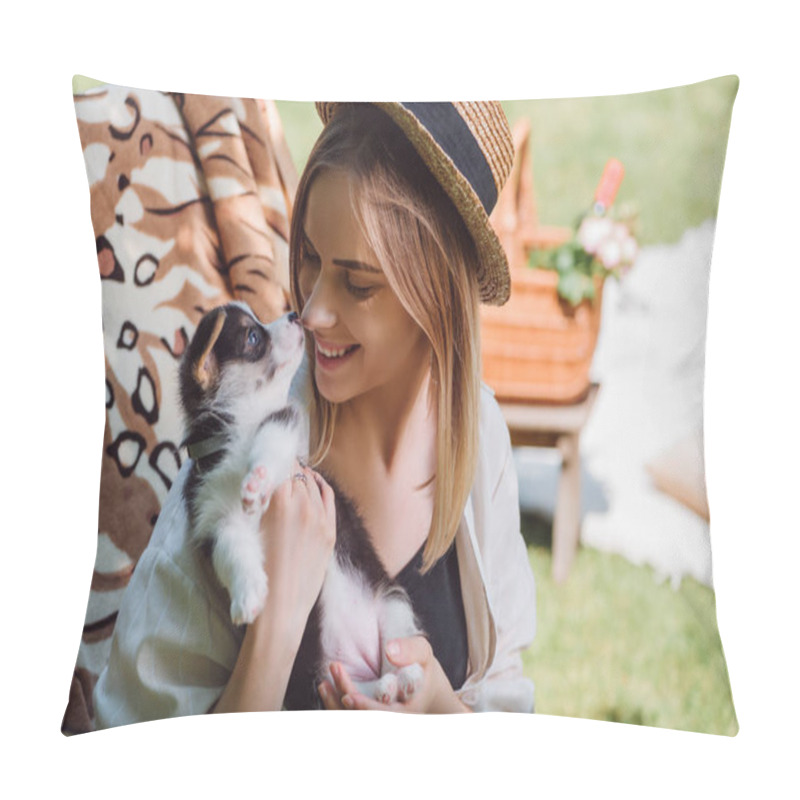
347	263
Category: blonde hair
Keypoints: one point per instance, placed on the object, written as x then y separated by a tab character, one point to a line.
407	219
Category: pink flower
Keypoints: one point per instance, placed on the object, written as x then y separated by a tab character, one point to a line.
593	232
610	253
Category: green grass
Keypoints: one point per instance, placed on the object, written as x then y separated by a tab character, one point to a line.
614	644
672	143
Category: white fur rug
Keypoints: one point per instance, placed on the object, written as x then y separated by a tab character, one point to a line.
649	361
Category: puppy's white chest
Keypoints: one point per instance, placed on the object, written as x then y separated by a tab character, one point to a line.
351	614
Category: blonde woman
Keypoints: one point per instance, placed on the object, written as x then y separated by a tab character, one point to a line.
391	254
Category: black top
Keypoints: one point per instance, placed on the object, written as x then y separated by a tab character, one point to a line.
439	608
436	600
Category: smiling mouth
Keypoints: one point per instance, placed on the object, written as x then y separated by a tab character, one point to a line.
331	356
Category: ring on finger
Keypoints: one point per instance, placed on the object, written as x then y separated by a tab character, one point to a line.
299	476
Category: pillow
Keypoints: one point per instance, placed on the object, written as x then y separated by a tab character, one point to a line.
191	200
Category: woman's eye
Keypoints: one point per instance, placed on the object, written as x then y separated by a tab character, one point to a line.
308	257
359	292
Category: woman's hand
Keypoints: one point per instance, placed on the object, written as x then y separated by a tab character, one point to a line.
434	695
299	531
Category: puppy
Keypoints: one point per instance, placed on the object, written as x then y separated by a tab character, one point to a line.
243	437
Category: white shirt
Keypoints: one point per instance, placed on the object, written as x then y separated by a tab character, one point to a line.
174	645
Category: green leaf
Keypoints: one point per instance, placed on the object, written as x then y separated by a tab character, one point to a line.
565	259
574	287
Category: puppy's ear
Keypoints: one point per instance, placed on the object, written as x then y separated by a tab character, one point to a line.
204	369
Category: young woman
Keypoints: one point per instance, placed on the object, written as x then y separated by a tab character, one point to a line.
391	253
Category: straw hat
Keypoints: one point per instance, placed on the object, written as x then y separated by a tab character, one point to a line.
469	150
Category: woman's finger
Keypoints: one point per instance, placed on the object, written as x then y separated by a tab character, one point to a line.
329	697
298	480
409	650
324	504
303	484
360	702
344	684
319	480
326	493
313	487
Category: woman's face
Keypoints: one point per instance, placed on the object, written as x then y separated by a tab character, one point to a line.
364	340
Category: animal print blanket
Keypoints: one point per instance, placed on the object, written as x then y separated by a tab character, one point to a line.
190	203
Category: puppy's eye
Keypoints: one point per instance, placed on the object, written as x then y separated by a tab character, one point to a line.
253	337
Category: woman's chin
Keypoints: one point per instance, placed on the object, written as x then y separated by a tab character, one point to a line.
330	391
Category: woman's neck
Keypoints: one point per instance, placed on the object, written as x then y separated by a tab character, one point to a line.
385	425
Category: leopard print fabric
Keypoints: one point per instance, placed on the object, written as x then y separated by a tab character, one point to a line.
190	203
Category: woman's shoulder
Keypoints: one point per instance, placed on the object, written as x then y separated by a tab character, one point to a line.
490	408
493	430
494	441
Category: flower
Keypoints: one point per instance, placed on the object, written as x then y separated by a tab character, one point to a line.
593	231
601	247
610	253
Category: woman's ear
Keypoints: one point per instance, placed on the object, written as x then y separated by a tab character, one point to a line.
205	367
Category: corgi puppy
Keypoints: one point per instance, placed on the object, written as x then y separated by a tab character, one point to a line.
244	436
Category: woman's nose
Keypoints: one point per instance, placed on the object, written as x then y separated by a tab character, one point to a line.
318	312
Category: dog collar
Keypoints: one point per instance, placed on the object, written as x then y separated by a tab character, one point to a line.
206	447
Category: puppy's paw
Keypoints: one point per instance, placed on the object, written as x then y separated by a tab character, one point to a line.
409	681
256	490
248	597
386	688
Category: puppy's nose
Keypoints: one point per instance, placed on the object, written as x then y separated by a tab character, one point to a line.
293	316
